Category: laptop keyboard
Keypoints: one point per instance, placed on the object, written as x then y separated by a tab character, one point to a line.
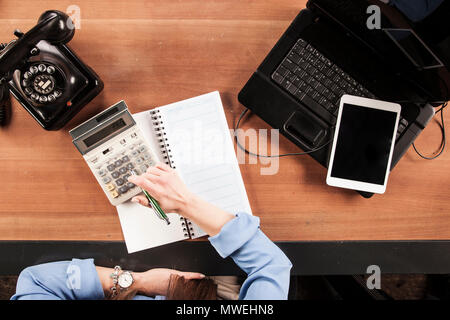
314	80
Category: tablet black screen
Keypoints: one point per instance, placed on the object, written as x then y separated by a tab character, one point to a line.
363	144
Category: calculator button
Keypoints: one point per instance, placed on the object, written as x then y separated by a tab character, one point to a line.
106	179
114	193
115	174
131	185
123	189
123	170
111	167
125	177
120	181
109	187
102	173
125	159
139	161
130	166
142	149
146	156
144	167
135	153
118	163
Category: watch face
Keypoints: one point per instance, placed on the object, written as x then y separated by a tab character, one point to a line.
125	280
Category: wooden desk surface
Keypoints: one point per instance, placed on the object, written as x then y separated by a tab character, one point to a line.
152	53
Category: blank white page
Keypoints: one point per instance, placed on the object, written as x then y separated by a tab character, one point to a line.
203	152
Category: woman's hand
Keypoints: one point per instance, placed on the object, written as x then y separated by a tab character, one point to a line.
164	184
155	282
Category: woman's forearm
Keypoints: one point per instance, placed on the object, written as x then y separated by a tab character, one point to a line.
208	217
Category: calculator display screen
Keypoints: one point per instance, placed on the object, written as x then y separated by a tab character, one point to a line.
103	133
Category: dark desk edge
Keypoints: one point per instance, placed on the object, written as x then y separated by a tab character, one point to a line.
308	258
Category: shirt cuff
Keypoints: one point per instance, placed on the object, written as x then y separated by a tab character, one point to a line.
83	280
234	234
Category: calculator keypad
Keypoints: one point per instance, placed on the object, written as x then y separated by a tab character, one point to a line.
113	171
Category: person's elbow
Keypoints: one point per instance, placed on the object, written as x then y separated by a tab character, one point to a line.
26	284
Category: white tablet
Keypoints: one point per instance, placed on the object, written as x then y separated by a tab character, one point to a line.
363	144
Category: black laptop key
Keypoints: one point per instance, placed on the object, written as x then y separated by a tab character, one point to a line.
300	73
297	81
331	74
303	64
294	57
285	83
315	95
300	94
302	86
288	64
310	69
307	78
320	77
334	87
291	76
278	78
320	88
292	89
282	71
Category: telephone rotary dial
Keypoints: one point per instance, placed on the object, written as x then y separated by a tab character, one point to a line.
48	79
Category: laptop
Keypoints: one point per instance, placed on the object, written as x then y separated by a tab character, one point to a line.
329	50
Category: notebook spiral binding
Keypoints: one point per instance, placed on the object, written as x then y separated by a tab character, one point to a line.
158	125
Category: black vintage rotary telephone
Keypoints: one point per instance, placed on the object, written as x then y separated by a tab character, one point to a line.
44	74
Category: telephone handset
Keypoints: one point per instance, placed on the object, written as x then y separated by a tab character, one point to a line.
45	75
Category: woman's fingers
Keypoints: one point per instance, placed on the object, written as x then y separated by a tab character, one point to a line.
144	183
190	275
154	171
163	167
141	200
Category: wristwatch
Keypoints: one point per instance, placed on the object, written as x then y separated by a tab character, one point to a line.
121	280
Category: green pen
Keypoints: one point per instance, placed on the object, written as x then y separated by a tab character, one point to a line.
154	204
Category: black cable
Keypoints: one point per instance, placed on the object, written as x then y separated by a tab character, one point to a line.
442	125
443	142
271	156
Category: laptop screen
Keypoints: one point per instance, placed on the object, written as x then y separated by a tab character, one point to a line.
411	35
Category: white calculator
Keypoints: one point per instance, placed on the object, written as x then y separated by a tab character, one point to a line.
112	145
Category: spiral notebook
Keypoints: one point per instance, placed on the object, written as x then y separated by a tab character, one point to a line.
192	136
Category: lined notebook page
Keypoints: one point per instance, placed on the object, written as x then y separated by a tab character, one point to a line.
141	228
203	153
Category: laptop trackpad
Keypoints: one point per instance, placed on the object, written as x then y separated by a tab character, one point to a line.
306	129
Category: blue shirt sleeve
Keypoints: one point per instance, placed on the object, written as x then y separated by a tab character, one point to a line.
65	280
267	267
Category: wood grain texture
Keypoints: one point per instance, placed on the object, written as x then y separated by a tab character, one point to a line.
152	53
